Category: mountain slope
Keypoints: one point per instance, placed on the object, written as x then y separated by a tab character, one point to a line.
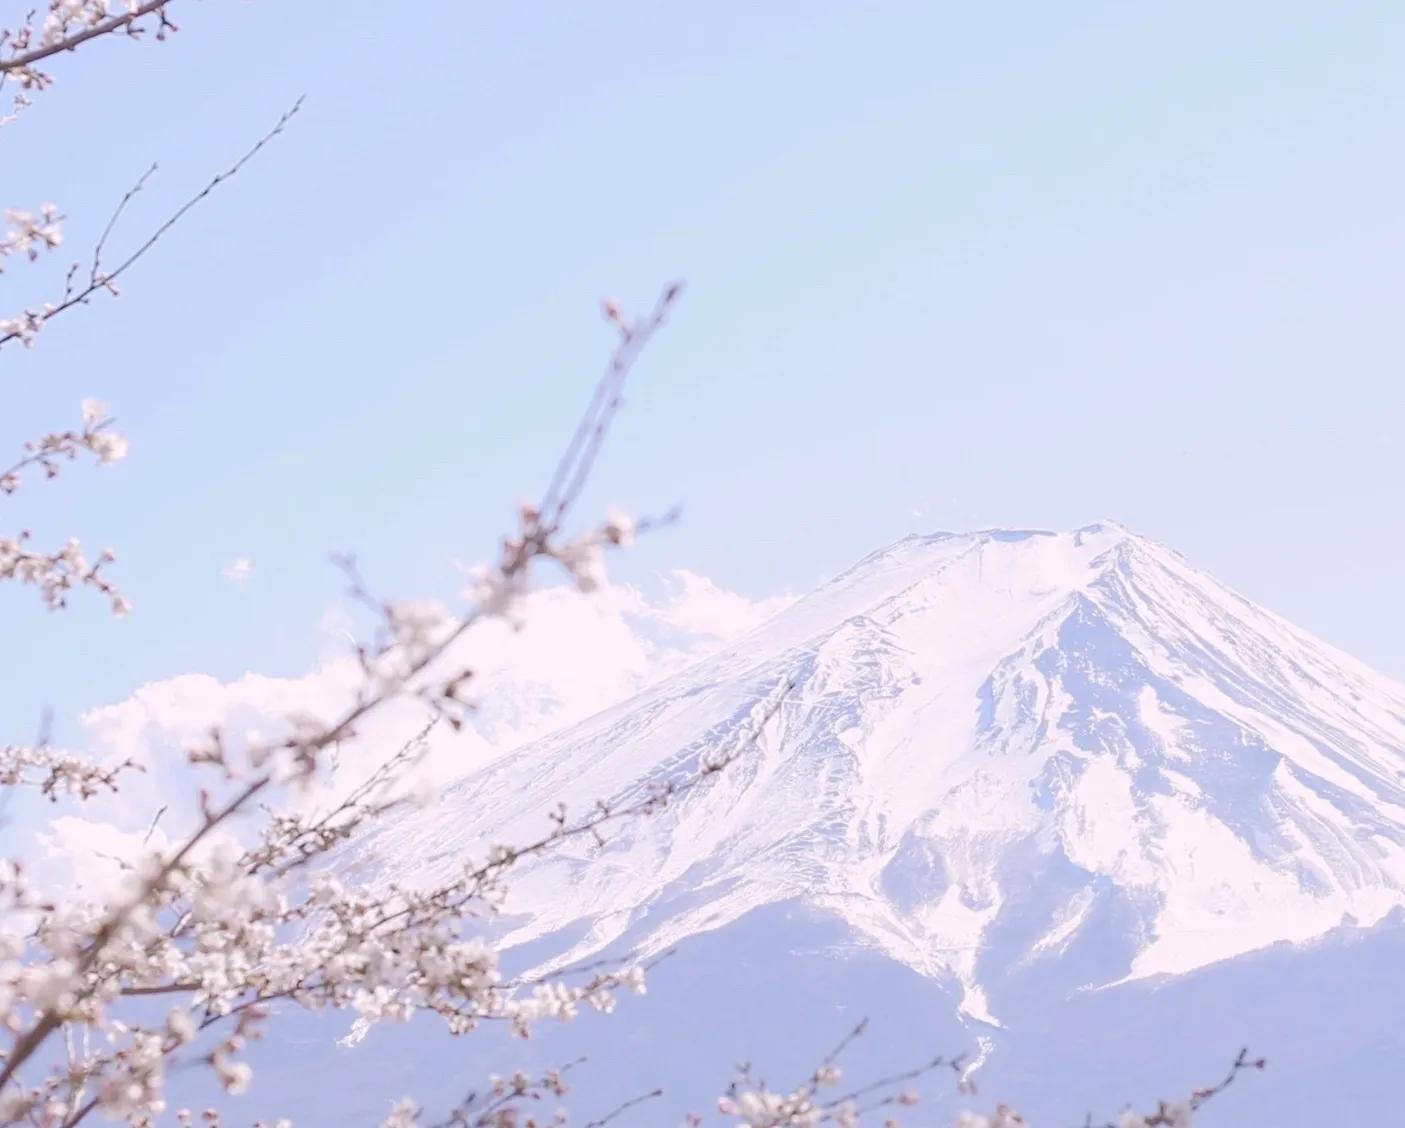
1006	755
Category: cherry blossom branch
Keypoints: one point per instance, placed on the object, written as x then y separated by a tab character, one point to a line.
752	1103
1178	1114
299	841
24	326
67	25
56	36
633	1102
57	573
97	436
884	1085
51	1018
580	453
497	1108
29	232
57	773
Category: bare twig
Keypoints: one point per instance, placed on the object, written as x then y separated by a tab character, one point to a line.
580	453
150	830
633	1102
100	279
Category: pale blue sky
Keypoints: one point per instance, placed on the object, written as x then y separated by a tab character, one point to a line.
949	266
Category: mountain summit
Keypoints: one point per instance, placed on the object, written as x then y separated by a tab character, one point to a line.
1003	751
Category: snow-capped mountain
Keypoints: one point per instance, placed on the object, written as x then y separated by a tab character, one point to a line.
1002	752
1056	800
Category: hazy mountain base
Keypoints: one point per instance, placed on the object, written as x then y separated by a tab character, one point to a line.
781	986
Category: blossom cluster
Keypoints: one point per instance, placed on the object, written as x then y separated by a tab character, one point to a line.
750	1104
1173	1114
29	232
1003	1117
24	326
96	436
56	574
56	773
507	1102
226	933
68	17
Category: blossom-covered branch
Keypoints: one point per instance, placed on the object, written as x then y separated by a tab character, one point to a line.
30	232
66	26
97	437
56	574
56	773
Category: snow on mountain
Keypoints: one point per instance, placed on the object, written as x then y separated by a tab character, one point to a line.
1003	751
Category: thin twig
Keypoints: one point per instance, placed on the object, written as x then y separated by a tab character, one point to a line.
580	453
625	1107
103	280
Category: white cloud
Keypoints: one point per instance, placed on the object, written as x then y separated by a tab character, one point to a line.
96	854
703	608
576	655
239	570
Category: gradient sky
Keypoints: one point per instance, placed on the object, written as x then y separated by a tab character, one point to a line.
949	266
